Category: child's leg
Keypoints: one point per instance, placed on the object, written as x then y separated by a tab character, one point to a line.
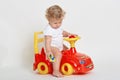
56	64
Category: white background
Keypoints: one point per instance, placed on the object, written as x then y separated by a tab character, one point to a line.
96	21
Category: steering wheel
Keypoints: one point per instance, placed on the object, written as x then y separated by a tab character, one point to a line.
72	39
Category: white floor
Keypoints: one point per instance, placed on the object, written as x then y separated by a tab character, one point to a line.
110	72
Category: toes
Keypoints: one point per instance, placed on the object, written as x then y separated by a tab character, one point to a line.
57	75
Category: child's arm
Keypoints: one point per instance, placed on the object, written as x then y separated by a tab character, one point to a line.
47	45
66	34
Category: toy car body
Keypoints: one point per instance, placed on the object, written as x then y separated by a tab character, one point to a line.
72	62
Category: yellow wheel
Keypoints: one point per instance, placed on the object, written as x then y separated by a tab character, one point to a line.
42	68
67	69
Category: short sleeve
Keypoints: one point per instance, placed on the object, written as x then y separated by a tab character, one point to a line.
47	31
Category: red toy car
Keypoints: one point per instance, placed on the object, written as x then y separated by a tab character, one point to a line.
72	62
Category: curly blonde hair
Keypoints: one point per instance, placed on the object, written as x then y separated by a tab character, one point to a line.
55	12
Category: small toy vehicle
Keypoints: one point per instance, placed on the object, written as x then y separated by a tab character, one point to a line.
51	58
72	62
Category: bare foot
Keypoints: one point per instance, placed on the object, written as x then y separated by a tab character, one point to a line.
57	74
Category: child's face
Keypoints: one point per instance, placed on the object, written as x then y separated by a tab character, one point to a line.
55	23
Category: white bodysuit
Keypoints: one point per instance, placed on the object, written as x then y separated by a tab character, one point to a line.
57	37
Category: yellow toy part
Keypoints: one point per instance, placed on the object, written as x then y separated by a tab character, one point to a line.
67	69
42	68
72	40
37	40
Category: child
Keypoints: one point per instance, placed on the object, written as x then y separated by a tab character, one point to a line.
54	36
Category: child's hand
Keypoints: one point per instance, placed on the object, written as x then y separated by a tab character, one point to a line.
48	54
50	57
73	35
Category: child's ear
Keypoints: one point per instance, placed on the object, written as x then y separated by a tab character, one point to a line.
46	16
